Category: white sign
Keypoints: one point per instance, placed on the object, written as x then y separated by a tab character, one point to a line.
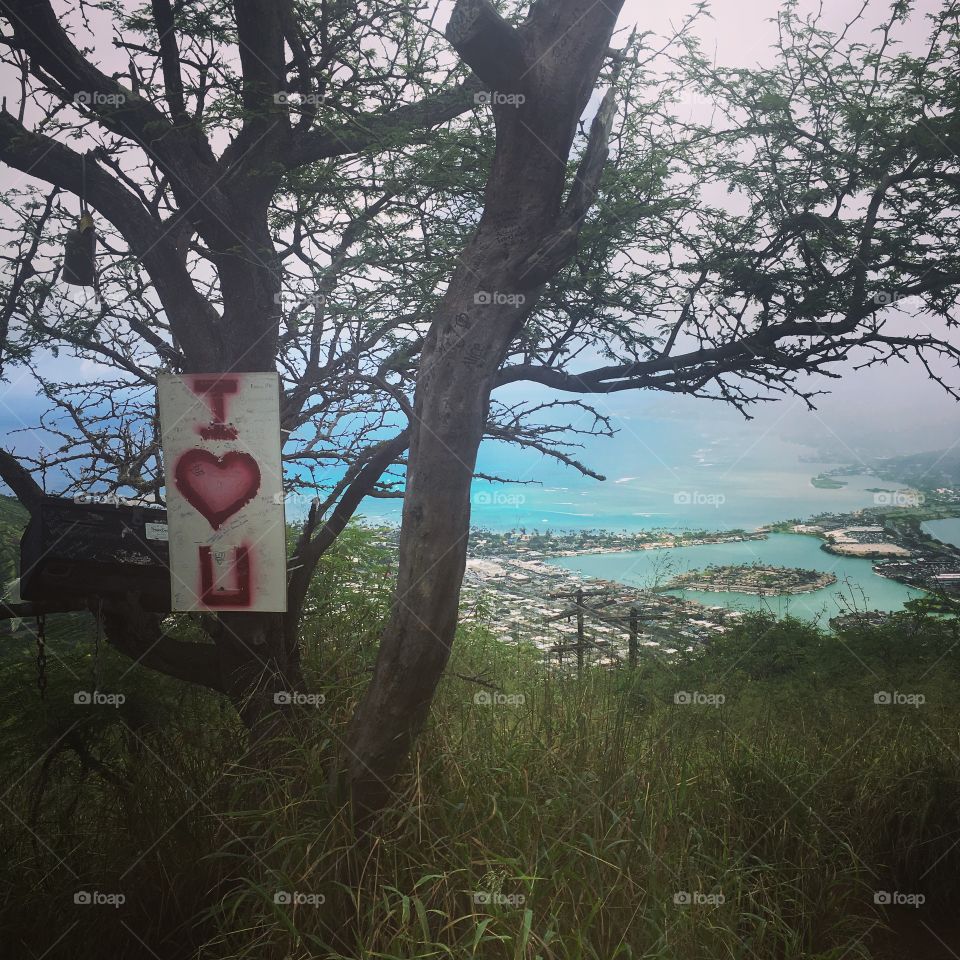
221	452
156	531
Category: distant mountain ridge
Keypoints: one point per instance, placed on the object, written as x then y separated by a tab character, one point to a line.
935	468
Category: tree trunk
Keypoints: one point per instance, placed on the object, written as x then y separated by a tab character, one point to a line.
549	65
260	673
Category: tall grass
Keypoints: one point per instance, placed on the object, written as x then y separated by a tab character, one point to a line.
592	818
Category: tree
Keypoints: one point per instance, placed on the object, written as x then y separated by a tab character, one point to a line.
286	251
586	245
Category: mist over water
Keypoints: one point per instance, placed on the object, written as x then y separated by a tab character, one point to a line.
662	473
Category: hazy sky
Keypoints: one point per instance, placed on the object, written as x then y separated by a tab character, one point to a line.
889	409
896	407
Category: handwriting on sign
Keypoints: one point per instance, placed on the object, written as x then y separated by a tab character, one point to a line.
221	446
217	487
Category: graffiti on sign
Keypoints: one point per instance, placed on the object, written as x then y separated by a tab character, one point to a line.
221	452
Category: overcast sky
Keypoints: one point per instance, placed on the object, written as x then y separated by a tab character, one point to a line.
895	408
891	408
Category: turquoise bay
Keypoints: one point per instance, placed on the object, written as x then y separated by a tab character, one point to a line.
857	586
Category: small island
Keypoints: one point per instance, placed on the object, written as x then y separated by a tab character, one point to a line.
763	581
824	482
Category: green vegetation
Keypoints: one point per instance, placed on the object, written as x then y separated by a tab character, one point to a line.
562	820
823	482
756	578
13	518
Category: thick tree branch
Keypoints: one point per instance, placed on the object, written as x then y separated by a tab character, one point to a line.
170	59
183	151
18	479
561	244
140	636
487	44
192	318
412	123
265	119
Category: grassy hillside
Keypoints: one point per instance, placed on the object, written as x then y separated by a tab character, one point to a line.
753	801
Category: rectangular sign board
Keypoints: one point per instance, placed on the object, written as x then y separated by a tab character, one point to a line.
224	482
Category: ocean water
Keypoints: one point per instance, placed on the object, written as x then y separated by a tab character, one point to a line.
660	473
678	474
857	586
946	531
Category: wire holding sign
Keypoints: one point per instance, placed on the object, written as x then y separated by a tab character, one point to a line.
221	452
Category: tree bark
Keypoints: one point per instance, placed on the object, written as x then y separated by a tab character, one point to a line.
543	84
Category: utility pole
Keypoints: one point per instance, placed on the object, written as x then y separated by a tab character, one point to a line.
579	599
634	632
578	608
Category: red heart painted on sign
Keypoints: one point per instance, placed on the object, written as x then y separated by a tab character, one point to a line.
217	486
